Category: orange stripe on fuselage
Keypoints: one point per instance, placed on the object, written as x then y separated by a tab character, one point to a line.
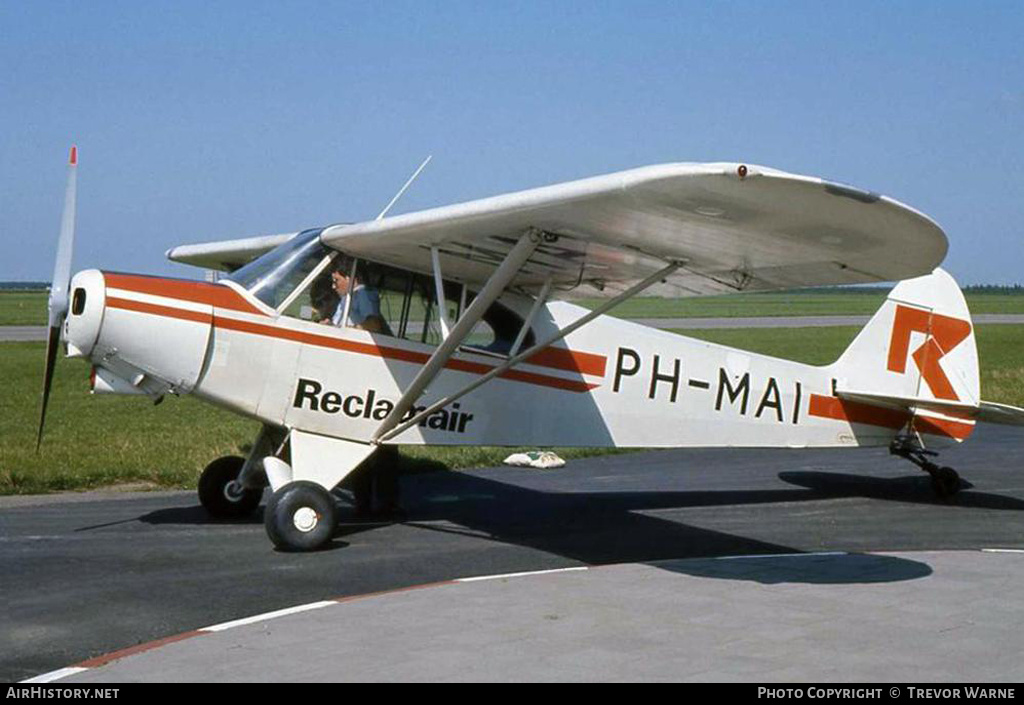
859	413
570	360
855	412
221	296
157	310
943	427
387	352
587	360
216	295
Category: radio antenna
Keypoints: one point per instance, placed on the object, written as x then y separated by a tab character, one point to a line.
403	189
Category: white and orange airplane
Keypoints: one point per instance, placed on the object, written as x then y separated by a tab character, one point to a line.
471	344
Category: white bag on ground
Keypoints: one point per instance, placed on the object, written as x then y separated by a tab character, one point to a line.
535	459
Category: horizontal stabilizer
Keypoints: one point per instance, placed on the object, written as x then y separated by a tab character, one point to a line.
991	412
987	411
934	417
951	408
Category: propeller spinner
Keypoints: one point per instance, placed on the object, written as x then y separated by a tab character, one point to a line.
57	304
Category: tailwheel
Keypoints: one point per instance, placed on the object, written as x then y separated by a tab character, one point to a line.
220	492
945	481
300	516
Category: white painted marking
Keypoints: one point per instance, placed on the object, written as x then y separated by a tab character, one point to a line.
56	675
183	304
269	615
520	575
1002	550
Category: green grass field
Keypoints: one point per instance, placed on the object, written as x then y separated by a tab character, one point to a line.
94	441
22	308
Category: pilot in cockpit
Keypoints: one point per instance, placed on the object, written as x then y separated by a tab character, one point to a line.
364	311
323	298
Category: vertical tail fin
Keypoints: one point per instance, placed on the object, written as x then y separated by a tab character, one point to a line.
918	346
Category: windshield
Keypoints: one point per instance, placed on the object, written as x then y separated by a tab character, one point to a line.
275	275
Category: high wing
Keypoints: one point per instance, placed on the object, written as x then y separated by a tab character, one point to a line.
735	228
227	255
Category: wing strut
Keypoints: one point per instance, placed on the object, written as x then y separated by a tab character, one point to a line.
442	305
504	274
384	434
542	297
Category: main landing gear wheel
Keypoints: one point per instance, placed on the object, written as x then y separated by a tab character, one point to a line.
220	493
300	516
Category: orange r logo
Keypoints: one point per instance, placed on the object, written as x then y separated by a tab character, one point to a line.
942	334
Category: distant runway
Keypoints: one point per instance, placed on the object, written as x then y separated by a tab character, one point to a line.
798	321
38	333
16	334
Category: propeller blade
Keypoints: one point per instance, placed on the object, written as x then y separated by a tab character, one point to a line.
58	301
57	304
52	342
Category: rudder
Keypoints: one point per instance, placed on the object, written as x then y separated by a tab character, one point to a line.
919	345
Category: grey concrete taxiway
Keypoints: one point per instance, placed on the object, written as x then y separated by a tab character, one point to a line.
930	616
691	565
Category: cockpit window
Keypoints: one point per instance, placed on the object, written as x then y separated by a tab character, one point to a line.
409	306
497	330
301	278
399	303
275	275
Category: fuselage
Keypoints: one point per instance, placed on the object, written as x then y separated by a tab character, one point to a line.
610	383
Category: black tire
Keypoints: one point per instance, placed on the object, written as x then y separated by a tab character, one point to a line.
946	482
214	493
301	516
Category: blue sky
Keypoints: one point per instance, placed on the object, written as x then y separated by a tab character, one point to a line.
214	120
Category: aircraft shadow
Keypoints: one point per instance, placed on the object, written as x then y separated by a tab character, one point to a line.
608	527
809	568
196	516
611	527
462	490
913	488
